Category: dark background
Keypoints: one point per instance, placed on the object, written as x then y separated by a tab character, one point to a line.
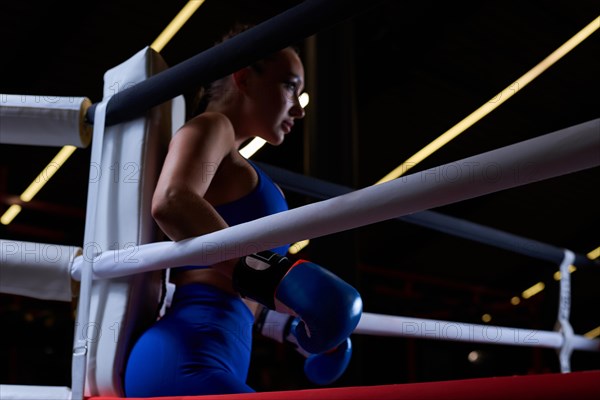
384	84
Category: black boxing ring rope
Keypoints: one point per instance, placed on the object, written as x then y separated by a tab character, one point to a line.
321	190
278	32
559	153
288	27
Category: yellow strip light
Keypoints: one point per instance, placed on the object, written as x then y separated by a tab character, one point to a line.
594	333
486	108
10	214
38	183
592	255
47	173
539	287
62	156
492	104
557	275
532	291
180	19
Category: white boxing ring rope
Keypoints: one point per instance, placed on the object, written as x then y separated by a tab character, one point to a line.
562	152
551	155
400	326
44	120
566	151
563	339
558	153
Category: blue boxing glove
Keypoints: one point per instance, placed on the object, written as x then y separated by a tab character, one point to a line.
326	368
321	369
328	308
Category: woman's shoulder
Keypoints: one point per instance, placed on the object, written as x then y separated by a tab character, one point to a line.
211	120
207	128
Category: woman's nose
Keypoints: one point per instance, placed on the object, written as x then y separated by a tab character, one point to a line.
297	111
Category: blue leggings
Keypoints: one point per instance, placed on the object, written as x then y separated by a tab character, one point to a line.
201	346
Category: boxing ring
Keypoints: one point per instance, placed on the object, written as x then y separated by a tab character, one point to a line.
123	259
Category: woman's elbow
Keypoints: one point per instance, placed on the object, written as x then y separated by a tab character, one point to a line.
164	203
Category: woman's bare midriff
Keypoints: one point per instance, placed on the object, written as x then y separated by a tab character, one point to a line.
206	276
209	276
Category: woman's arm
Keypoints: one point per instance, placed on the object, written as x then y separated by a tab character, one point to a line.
194	155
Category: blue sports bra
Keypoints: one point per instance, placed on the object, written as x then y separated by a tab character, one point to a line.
265	199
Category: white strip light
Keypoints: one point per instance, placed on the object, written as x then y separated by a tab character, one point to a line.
255	144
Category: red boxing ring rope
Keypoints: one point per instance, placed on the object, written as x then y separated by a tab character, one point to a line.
578	385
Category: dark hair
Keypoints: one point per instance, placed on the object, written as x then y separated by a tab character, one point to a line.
201	96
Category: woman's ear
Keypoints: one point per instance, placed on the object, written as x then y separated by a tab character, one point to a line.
240	78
